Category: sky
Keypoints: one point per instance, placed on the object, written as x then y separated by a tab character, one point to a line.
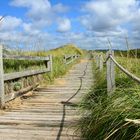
90	24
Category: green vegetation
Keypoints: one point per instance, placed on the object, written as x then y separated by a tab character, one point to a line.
131	53
104	117
59	68
19	65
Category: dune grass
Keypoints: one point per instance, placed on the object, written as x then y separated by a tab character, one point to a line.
59	68
104	117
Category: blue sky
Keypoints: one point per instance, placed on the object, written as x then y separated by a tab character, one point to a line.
86	23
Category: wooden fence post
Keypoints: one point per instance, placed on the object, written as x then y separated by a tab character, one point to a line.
50	63
110	74
65	59
73	58
100	62
2	101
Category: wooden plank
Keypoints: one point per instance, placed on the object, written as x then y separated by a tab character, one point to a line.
68	59
68	56
47	113
16	75
71	56
5	56
2	102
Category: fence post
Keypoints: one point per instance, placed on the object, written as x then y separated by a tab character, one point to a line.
65	59
73	58
50	63
2	102
110	74
100	62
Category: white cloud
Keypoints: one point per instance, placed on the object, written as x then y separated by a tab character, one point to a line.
114	19
40	15
103	19
41	12
36	9
28	28
64	25
60	8
106	15
10	23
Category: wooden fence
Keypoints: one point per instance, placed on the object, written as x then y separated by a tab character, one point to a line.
110	70
5	78
70	58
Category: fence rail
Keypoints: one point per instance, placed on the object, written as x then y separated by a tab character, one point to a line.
132	76
5	56
16	75
70	58
110	73
8	77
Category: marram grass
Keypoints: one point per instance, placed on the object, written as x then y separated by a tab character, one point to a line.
105	117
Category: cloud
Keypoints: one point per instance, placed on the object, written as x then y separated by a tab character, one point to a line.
29	29
38	13
36	10
113	19
107	15
10	23
41	13
60	8
100	19
64	25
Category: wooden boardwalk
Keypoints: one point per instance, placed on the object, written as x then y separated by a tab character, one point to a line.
51	114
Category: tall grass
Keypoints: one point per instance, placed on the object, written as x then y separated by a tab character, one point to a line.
104	117
59	68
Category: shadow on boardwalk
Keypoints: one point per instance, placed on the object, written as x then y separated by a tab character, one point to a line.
68	103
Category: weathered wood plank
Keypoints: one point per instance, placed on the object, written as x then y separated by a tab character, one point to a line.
100	62
46	116
110	74
36	58
16	75
50	63
2	101
68	59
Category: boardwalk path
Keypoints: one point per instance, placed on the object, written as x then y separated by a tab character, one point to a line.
51	113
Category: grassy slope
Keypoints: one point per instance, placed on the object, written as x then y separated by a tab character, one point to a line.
104	116
59	68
